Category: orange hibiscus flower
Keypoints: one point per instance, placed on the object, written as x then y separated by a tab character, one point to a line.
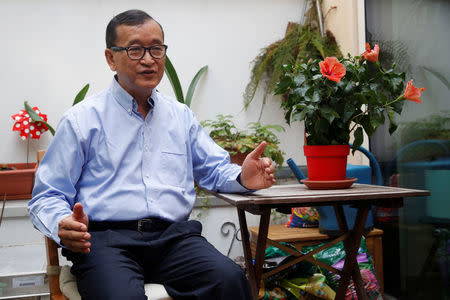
371	54
332	69
412	93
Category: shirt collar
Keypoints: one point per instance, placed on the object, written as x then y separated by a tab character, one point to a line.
125	99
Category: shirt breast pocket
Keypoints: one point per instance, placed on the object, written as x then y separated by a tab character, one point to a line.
174	168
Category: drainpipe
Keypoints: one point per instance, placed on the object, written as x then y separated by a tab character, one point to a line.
319	14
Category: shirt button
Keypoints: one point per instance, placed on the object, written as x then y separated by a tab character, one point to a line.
129	111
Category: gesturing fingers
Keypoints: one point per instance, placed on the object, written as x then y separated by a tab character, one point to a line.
258	151
77	246
74	235
76	241
70	224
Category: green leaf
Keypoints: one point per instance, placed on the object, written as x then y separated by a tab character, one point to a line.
193	84
317	76
299	116
392	125
319	46
359	137
36	118
81	94
283	85
299	79
316	97
321	125
365	122
376	118
174	81
328	113
397	83
301	91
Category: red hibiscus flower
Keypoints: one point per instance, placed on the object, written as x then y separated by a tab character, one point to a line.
412	93
332	69
27	127
371	54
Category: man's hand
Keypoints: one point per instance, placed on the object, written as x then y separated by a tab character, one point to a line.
73	230
257	172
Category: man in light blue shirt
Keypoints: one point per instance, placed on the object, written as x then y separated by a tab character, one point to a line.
116	186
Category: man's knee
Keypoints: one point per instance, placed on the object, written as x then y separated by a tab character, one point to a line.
101	289
229	271
231	282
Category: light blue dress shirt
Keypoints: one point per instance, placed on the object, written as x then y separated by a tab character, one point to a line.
121	166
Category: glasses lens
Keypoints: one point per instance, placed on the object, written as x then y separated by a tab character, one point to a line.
135	52
158	51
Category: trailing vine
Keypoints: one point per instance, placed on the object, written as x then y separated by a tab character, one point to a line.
301	43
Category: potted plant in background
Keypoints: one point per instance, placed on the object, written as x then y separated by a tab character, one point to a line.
240	143
302	41
16	179
171	73
337	97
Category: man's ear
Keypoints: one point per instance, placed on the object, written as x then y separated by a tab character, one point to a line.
110	59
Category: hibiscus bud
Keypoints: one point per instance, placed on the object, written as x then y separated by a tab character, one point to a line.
371	54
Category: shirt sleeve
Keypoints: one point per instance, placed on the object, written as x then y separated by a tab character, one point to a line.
211	163
54	189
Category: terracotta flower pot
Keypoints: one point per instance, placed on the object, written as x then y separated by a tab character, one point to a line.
18	183
327	162
238	158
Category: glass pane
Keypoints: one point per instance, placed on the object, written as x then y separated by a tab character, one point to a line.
415	35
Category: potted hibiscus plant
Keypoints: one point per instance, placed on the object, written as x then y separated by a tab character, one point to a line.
337	97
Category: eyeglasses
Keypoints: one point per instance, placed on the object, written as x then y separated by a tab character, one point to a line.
138	52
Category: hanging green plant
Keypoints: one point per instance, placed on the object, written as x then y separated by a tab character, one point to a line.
300	44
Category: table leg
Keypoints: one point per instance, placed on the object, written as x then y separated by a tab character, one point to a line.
254	270
247	250
351	245
261	245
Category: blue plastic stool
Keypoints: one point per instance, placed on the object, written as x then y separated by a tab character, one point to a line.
327	222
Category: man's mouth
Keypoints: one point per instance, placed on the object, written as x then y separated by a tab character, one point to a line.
148	72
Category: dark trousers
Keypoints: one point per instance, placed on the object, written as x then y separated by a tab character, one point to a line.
189	267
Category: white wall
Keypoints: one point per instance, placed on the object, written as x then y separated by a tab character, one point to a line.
50	49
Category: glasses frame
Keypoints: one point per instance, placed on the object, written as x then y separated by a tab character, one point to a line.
117	49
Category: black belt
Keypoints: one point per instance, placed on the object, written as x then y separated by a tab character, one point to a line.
143	225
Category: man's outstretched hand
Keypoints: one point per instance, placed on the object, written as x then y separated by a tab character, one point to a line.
73	230
257	171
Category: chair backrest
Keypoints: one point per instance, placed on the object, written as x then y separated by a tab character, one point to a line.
53	269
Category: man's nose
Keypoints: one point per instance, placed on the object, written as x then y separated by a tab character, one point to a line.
147	56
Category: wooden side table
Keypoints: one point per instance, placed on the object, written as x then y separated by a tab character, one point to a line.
361	196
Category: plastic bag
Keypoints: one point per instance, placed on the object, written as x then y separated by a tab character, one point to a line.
276	293
335	256
303	217
315	285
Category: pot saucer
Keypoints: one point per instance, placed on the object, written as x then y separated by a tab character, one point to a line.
328	184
